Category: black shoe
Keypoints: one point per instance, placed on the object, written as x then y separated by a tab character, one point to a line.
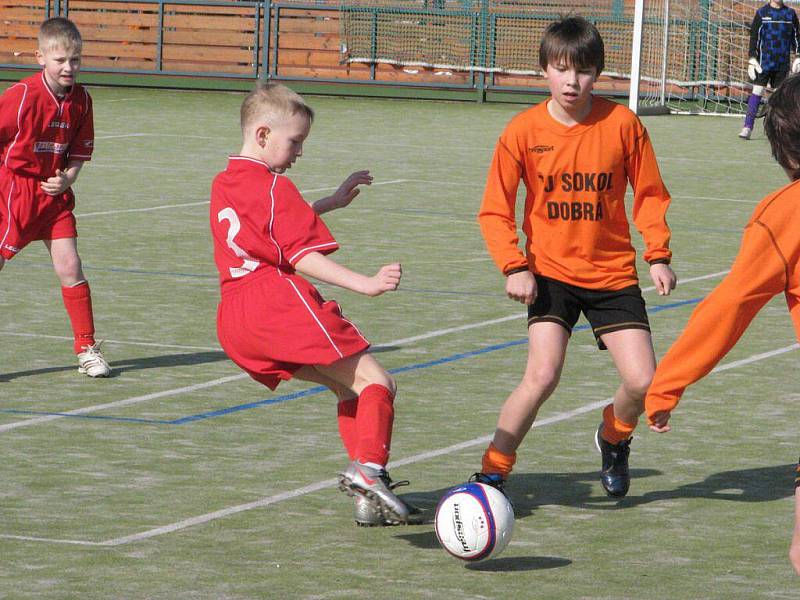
615	476
493	479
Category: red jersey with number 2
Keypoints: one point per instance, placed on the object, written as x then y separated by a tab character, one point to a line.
270	320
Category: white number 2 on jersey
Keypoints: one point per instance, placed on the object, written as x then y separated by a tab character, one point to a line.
249	264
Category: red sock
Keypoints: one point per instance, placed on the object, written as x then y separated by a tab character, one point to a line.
374	421
78	302
346	414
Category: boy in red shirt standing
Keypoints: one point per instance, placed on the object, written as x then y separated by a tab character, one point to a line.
768	264
46	134
576	153
271	321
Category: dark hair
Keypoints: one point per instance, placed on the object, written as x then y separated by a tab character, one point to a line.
575	41
59	30
782	124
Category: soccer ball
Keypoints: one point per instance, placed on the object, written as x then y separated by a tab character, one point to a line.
474	521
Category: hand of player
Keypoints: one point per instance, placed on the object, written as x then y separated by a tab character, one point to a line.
57	184
387	279
659	421
753	67
796	65
663	278
349	189
521	287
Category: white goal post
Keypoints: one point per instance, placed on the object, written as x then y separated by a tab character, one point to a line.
690	56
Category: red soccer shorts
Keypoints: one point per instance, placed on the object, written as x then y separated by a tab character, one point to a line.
28	214
273	324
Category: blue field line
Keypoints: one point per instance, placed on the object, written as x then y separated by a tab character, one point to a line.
16	411
318	389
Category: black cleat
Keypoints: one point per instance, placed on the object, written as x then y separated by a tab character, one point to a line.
615	477
493	479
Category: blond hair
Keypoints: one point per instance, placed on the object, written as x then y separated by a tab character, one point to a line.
59	31
272	101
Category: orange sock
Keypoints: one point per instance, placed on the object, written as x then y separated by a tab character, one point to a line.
614	430
495	461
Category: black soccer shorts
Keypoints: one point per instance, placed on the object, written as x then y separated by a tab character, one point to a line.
771	78
606	310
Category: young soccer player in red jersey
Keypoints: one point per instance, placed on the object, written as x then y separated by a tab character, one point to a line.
271	321
768	264
46	134
576	153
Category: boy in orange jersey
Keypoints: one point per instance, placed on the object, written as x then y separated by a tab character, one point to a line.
273	322
46	134
768	264
576	154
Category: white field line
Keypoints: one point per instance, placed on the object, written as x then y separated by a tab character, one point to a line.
121	342
520	315
201	202
401	341
328	483
215	382
125	402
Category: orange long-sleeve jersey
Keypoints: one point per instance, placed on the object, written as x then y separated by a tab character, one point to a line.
576	177
768	263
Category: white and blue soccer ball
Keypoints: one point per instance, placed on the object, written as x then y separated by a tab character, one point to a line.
474	521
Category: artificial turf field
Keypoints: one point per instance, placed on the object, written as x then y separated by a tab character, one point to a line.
180	478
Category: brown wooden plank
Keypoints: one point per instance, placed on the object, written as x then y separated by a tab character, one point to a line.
310	41
200	9
142	35
26	46
212	22
85	19
117	49
309	58
202	54
20	31
92	5
309	25
210	38
208	67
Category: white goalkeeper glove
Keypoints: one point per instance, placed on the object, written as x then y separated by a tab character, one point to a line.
753	67
796	65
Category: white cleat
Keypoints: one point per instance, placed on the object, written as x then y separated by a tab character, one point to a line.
745	133
92	363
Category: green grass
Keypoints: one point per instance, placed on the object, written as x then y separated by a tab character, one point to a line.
710	510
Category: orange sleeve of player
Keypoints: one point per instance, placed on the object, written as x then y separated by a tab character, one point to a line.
650	196
497	213
757	274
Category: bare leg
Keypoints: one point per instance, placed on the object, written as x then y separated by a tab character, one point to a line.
546	352
633	356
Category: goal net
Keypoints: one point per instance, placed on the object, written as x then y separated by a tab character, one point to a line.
694	56
693	52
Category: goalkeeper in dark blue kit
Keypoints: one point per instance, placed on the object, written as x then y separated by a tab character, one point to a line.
774	35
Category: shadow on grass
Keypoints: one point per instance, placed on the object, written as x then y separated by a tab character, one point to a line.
121	366
427	540
761	484
520	563
529	491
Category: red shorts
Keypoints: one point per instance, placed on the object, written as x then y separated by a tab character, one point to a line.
28	214
274	324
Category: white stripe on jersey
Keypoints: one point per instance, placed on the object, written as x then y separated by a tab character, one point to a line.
8	212
311	312
272	220
19	125
310	249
